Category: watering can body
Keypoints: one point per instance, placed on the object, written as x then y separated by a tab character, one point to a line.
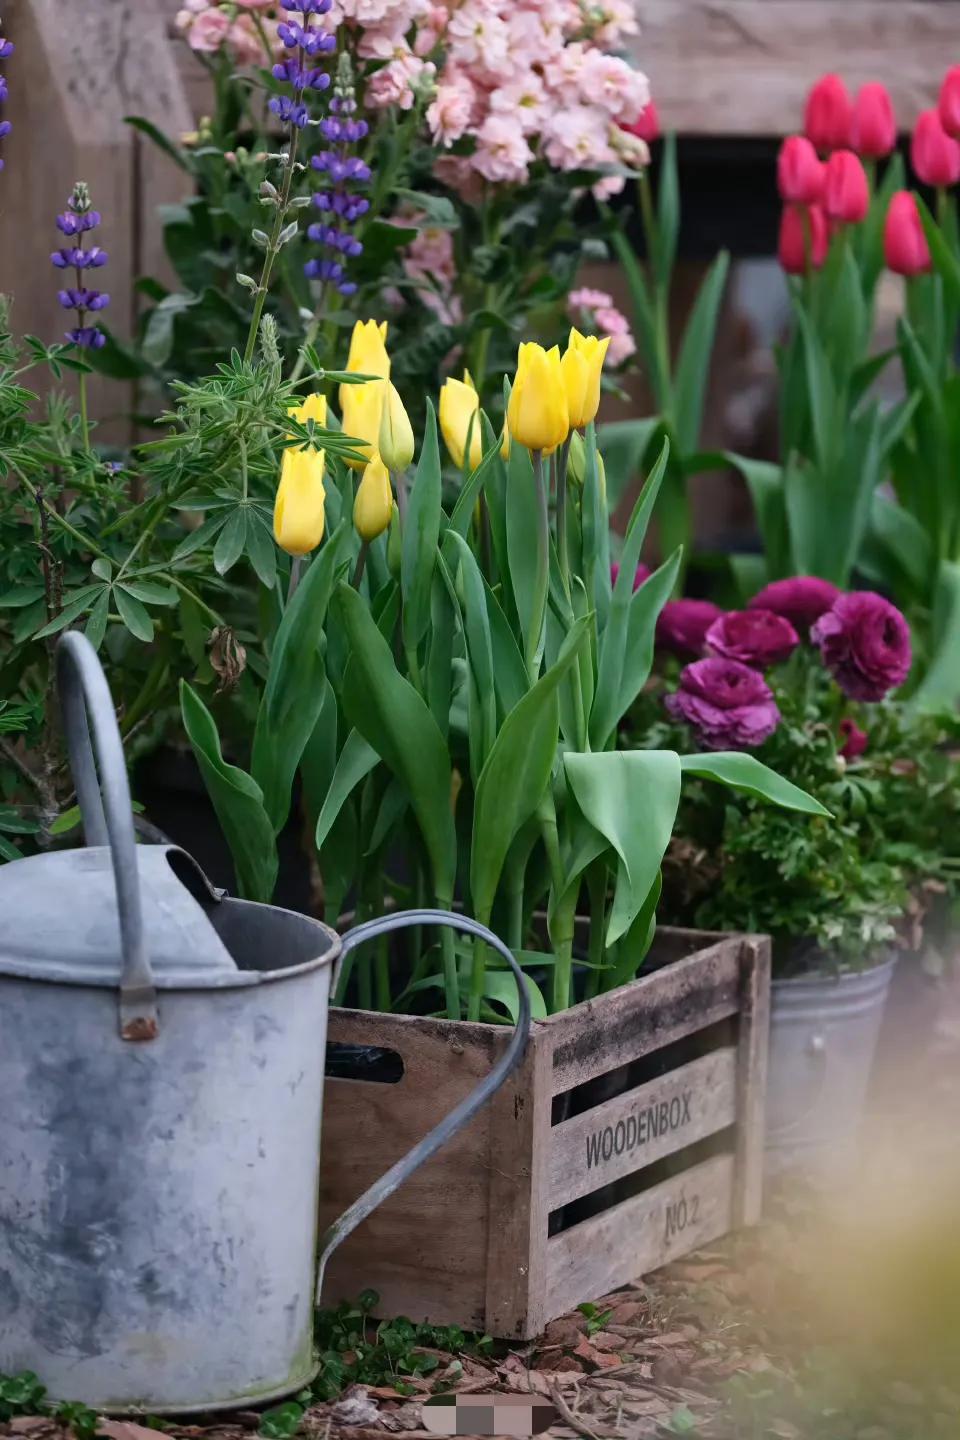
161	1071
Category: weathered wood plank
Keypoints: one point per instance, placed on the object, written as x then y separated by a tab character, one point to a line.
601	1035
634	1130
518	1196
641	1234
425	1249
752	1079
743	67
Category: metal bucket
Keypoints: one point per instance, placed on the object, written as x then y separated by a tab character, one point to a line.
161	1073
823	1036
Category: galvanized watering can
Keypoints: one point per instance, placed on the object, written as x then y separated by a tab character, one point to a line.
161	1082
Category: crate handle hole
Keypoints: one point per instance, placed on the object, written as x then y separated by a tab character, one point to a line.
371	1063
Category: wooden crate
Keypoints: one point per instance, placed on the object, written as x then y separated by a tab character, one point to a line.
631	1134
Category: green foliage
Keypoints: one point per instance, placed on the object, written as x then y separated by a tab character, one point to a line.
844	888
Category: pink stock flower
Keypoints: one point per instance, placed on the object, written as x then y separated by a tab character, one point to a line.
575	138
502	154
524	100
208	31
451	110
608	81
395	84
478	36
622	344
244	42
587	299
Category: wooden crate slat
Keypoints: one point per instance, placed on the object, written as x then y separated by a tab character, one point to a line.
752	1079
625	1134
743	67
651	1229
667	1005
425	1249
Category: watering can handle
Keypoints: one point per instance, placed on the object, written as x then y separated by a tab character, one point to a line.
383	1188
107	815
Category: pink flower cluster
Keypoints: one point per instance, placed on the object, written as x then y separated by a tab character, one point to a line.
520	79
595	310
529	79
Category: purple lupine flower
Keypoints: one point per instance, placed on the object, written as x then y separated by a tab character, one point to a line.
339	203
6	49
305	42
76	222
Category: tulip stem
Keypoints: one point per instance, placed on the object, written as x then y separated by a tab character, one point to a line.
295	566
361	563
562	554
533	646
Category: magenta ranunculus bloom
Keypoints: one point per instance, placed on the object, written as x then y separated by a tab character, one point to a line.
865	644
854	739
682	624
730	706
641	573
755	637
801	600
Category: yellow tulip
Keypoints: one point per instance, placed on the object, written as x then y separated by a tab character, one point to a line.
361	406
374	503
537	414
459	404
298	508
396	432
314	408
581	367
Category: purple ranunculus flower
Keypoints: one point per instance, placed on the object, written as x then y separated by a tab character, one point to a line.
641	573
854	739
865	644
756	637
683	624
730	706
345	174
801	599
77	221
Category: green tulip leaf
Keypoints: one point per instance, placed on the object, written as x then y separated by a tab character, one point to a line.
237	800
528	552
748	774
396	722
420	536
631	797
357	759
516	775
295	683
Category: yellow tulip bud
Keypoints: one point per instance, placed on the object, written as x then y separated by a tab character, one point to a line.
537	414
459	405
396	432
577	458
374	503
314	407
361	406
581	367
298	508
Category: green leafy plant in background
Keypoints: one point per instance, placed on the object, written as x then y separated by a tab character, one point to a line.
678	382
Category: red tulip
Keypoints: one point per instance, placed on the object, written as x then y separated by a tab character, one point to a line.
846	194
799	172
950	102
905	246
647	127
874	129
828	116
934	155
803	239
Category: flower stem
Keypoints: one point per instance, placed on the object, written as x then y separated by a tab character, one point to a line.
451	980
361	563
273	246
532	645
295	567
562	555
84	419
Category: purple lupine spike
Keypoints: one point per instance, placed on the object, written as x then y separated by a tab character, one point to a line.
76	222
6	49
343	171
306	42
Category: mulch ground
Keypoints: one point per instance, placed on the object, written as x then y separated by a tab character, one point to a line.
837	1319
